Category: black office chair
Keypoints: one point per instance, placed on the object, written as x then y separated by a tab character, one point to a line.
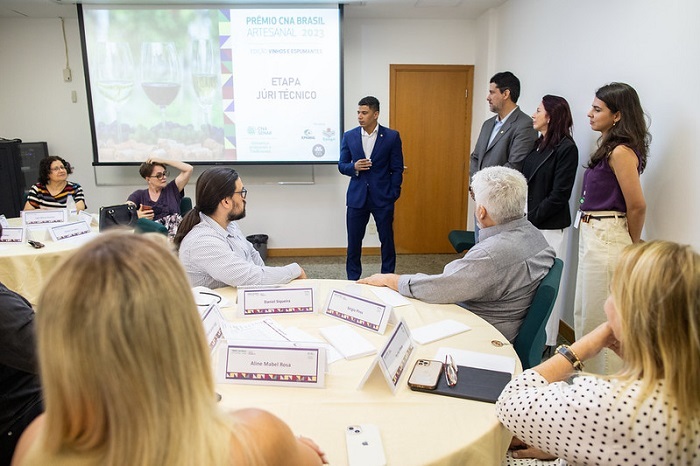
532	338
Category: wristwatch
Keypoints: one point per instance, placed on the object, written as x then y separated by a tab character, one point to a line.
568	353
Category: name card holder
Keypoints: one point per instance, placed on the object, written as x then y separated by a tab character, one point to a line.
393	357
287	364
69	230
12	235
370	315
44	217
256	301
211	319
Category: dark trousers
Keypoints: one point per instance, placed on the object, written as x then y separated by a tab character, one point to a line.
357	220
8	440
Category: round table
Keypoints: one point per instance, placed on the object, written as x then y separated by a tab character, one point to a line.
416	428
24	269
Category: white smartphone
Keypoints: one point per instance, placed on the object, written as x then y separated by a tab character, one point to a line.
364	445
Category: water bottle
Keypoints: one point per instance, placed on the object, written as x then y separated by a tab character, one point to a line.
70	205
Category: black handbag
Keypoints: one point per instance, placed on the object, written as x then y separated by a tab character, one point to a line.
122	215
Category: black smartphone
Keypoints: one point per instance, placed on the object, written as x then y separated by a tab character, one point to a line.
35	244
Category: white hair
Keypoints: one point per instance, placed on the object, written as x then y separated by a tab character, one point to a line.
502	191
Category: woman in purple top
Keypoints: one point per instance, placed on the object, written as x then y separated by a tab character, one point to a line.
161	200
612	206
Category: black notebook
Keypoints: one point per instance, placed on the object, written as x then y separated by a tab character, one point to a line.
473	383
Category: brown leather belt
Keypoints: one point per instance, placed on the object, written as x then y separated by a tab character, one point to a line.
586	218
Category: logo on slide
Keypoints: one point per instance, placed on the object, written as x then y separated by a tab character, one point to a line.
318	150
308	134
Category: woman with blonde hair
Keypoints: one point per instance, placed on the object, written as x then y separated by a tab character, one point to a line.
647	412
127	371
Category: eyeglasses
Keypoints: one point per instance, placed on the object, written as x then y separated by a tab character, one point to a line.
450	371
471	193
243	192
58	169
160	176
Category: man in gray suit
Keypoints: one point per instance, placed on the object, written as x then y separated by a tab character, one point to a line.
508	137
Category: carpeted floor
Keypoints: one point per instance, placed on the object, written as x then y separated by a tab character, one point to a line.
334	267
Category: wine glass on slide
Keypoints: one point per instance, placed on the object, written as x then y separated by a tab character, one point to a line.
115	76
160	74
204	78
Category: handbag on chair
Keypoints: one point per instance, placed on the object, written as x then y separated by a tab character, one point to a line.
122	215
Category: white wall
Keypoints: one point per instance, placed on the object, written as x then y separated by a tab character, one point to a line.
571	48
36	106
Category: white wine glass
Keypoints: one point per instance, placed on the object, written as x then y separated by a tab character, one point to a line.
115	76
204	77
160	74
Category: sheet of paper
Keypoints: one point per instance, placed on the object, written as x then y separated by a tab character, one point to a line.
260	330
492	362
347	341
389	296
298	335
438	330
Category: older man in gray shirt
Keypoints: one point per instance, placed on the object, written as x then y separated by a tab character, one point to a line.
498	277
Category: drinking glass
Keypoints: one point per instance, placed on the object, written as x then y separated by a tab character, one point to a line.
204	77
115	76
160	74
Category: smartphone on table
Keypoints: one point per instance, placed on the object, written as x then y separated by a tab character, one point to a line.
425	375
364	445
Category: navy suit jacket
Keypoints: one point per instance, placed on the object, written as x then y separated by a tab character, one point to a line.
382	182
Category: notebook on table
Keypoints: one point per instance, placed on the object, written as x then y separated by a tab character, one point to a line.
474	384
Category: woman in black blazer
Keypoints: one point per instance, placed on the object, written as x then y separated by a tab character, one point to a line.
550	170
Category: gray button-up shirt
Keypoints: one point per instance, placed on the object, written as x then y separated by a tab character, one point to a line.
214	257
496	279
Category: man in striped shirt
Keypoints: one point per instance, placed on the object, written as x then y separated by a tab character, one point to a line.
212	247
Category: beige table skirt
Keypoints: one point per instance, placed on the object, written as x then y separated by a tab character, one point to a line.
416	428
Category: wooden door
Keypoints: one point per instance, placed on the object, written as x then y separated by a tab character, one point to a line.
430	105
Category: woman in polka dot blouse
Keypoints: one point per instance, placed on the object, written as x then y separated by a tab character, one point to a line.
649	412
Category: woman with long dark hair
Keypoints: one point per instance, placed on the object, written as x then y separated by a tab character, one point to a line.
550	170
612	206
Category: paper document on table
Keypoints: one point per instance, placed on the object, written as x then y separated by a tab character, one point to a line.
260	330
438	330
348	342
492	362
389	296
298	335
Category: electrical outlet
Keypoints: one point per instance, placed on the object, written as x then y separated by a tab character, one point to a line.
67	76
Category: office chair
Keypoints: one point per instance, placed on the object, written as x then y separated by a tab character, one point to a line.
461	240
531	340
144	225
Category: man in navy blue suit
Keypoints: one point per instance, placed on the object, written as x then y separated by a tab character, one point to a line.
371	156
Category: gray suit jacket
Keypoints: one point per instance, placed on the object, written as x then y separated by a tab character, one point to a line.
510	146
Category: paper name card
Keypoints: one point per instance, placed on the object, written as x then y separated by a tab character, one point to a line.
266	363
393	358
44	217
275	300
85	217
4	222
370	315
12	235
211	319
69	230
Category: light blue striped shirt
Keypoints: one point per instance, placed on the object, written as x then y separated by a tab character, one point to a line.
214	257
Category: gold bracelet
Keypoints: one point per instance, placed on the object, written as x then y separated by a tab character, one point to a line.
568	353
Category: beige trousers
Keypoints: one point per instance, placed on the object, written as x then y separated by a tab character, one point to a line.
600	245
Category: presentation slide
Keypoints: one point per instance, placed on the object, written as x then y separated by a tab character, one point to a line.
239	85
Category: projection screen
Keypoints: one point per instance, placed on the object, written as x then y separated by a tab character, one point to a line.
223	85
